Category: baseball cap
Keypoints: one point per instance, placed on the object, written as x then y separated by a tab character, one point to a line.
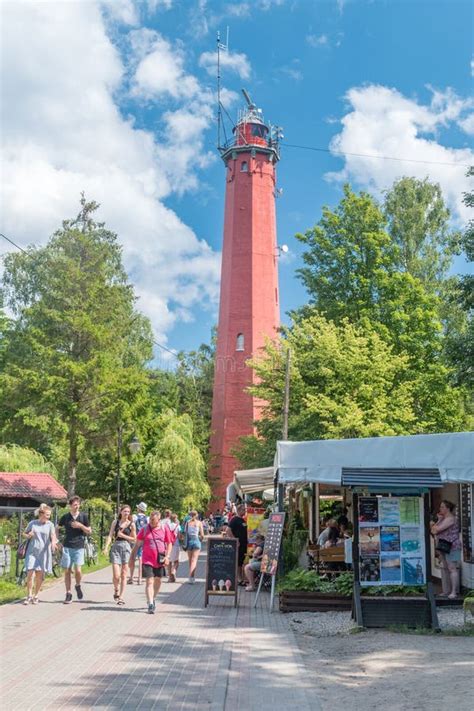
141	506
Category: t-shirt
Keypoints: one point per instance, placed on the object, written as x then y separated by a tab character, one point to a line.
239	530
140	520
155	540
74	537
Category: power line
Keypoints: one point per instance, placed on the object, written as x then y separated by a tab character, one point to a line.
13	243
368	155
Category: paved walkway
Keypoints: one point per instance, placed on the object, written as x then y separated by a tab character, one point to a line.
94	654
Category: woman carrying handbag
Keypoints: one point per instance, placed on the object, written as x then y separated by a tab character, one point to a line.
448	548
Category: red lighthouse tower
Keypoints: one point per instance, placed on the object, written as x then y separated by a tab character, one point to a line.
249	301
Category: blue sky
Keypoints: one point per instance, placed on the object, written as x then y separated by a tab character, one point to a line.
118	99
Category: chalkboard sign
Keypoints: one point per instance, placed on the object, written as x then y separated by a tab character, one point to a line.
221	568
271	548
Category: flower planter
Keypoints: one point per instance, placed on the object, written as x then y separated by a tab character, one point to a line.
302	601
388	611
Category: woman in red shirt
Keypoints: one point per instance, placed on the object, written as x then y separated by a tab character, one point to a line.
156	539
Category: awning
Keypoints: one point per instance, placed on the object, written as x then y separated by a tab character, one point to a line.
251	480
392	478
452	454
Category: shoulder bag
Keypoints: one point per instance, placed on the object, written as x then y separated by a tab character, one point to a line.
443	546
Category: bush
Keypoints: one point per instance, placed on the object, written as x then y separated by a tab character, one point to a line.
310	581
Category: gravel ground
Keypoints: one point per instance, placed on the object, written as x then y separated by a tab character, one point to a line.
330	624
374	669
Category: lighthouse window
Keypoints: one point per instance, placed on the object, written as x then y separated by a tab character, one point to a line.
258	131
244	167
239	346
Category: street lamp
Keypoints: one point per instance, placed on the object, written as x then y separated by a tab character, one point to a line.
134	447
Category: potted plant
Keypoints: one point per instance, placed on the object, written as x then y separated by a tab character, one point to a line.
386	605
305	591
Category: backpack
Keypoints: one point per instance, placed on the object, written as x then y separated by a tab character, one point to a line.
141	521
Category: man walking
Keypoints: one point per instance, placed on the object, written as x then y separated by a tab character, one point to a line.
76	526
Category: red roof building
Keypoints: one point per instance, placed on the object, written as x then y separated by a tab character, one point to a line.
29	489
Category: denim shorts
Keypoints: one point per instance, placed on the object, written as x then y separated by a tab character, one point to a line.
72	556
194	544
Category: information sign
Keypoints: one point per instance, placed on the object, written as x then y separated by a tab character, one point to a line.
391	541
221	567
271	548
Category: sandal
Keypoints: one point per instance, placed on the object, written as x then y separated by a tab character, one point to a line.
120	601
130	581
116	595
27	600
35	600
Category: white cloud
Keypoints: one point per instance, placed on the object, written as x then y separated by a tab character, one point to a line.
232	61
160	69
382	122
317	40
63	133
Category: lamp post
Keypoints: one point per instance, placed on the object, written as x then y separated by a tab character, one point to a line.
134	447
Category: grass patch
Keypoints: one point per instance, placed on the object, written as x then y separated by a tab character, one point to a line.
10	591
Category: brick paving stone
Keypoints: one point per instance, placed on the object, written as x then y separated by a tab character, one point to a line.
95	655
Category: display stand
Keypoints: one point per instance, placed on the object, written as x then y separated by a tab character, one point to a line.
392	546
271	554
221	568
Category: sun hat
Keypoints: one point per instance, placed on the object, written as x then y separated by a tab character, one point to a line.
141	506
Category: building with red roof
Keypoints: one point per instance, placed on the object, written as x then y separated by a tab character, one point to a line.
28	489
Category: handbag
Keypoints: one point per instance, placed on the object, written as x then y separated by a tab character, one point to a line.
159	556
443	546
21	550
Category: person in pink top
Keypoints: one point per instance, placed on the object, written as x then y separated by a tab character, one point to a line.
156	540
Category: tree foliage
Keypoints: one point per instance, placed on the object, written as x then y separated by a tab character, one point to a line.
77	347
22	459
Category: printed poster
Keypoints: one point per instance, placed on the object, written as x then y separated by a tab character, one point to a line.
389	511
410	539
369	540
409	510
370	569
413	571
390	538
254	521
390	568
368	509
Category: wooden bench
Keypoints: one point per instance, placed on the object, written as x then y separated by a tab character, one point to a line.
327	560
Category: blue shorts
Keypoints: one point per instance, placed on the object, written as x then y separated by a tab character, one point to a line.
194	544
72	556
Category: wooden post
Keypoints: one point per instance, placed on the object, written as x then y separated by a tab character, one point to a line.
429	585
357	605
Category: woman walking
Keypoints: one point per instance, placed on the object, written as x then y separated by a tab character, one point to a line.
175	550
123	534
155	538
193	535
42	544
448	548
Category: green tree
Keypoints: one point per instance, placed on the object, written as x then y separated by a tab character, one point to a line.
460	338
21	459
77	349
171	473
195	379
418	223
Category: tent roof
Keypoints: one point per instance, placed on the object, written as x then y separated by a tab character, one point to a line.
323	460
251	480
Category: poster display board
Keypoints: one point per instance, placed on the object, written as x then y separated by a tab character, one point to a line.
221	567
271	548
391	541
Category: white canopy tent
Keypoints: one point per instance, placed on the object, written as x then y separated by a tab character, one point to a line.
322	461
248	481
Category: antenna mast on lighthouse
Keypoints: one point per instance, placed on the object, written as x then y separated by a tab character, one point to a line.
220	48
